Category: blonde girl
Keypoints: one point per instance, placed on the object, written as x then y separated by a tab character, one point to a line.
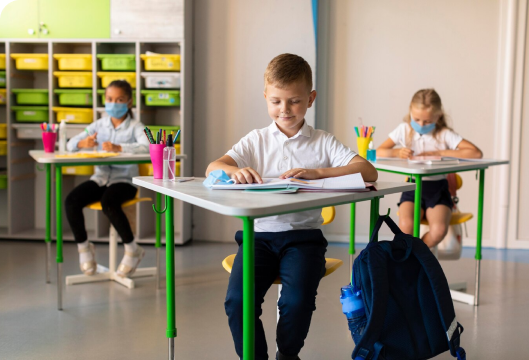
425	132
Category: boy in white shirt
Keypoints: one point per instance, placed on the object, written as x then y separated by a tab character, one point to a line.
290	246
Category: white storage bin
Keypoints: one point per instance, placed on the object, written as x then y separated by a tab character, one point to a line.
158	80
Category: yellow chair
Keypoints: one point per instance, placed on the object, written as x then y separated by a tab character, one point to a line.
331	265
457	218
109	274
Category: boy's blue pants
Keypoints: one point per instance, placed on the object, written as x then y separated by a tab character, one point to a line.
298	258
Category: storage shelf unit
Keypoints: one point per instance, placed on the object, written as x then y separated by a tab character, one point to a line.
3	140
22	204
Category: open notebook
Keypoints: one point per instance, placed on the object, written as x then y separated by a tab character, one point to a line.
433	160
353	182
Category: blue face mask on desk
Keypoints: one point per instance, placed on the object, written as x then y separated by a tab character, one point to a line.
218	177
423	130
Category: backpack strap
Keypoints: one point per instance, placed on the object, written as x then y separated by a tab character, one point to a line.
384	219
441	291
369	348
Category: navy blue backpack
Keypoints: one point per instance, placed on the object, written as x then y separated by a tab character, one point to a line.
409	309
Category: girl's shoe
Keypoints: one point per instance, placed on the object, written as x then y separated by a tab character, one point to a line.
129	266
89	267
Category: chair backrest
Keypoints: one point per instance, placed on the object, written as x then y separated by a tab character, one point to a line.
328	214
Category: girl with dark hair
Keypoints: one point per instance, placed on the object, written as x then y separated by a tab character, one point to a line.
110	184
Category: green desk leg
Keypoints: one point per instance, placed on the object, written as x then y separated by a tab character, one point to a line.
417	206
170	287
158	243
58	206
248	289
48	222
373	216
479	233
352	229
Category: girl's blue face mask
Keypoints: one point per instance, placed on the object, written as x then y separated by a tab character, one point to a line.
423	130
218	177
116	110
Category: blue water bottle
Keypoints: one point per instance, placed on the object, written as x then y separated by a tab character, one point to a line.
353	308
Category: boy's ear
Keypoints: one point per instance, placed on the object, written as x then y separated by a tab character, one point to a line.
312	97
264	94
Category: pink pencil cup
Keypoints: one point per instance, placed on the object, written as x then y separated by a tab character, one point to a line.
156	151
48	139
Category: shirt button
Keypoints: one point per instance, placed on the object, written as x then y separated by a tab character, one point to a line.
285	157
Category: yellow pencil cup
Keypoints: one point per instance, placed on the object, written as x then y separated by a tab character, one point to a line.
363	144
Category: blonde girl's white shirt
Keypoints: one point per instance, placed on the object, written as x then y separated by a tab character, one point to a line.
271	153
446	139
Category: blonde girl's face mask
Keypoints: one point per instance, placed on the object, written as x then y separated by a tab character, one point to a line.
422	120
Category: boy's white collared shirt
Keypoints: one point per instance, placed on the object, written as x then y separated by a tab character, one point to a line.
271	153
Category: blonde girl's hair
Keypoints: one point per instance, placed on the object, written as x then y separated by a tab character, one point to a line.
427	99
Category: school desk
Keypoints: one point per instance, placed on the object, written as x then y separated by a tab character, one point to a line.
49	159
418	171
247	207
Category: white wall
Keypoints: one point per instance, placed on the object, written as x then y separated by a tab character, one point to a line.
380	53
234	41
372	57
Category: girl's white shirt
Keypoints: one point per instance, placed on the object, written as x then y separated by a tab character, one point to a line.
446	139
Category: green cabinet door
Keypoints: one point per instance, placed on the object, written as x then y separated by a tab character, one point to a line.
19	19
74	19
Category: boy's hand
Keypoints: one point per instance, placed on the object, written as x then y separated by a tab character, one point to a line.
299	173
405	153
88	142
247	175
108	146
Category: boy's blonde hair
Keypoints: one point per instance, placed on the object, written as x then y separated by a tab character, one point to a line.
286	69
427	99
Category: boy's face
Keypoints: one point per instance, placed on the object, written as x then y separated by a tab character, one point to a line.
288	106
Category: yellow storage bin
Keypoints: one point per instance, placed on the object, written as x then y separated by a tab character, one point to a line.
146	169
161	62
2	61
3	147
3	98
74	115
3	131
78	170
108	77
31	61
74	79
74	61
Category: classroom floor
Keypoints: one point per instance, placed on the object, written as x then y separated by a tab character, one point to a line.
107	321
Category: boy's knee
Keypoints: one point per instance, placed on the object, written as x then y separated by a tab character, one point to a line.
297	303
233	302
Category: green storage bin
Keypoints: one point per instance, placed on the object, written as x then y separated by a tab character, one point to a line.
76	97
31	113
161	97
102	93
2	79
31	96
3	181
120	62
155	128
